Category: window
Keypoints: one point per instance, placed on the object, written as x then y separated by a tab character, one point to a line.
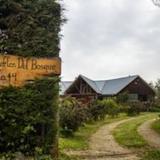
133	97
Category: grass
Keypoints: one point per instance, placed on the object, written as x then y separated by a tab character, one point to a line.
156	126
152	155
80	139
127	135
62	156
65	157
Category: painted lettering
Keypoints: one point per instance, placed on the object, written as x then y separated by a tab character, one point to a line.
16	70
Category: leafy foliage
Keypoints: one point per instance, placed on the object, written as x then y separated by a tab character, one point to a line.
29	27
100	108
134	108
155	106
122	98
113	107
156	125
157	88
72	115
97	110
27	117
152	155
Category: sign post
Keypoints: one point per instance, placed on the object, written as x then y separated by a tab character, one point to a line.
16	70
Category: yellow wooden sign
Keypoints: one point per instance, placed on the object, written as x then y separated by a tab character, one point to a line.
15	70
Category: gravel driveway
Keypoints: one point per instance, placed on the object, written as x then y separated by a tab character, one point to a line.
104	147
149	134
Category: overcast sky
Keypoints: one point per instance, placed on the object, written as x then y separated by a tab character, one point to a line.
106	39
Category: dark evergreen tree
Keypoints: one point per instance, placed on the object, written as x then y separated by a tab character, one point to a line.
30	27
28	115
157	88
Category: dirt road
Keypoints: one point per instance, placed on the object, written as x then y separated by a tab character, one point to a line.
149	134
104	147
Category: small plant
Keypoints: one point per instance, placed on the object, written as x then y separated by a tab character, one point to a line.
100	108
113	107
97	110
134	108
72	115
152	155
122	98
156	125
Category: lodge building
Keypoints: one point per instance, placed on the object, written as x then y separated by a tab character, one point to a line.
86	89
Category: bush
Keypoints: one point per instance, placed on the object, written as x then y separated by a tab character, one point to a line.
113	107
122	98
152	155
27	117
97	110
100	108
134	108
72	115
155	107
30	28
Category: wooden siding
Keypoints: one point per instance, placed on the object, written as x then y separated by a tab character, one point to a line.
80	87
141	88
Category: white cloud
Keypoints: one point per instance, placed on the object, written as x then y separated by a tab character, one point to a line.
111	38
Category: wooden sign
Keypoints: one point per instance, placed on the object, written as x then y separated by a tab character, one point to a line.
15	70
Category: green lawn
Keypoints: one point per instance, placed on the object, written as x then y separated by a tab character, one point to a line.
126	134
156	126
80	139
152	155
65	157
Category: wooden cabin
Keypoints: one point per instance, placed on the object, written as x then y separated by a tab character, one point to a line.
86	89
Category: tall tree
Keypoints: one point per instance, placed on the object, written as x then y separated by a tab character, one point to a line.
31	28
157	87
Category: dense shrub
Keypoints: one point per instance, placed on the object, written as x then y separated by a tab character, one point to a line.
152	155
155	106
97	110
72	115
30	28
154	109
122	98
100	108
27	117
113	107
134	108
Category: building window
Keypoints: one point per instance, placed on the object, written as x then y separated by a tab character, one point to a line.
143	97
133	97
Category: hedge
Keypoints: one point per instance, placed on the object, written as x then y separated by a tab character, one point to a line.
28	115
72	115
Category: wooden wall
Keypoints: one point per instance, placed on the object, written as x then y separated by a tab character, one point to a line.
140	87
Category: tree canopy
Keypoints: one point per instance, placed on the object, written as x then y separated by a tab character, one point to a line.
28	115
30	27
